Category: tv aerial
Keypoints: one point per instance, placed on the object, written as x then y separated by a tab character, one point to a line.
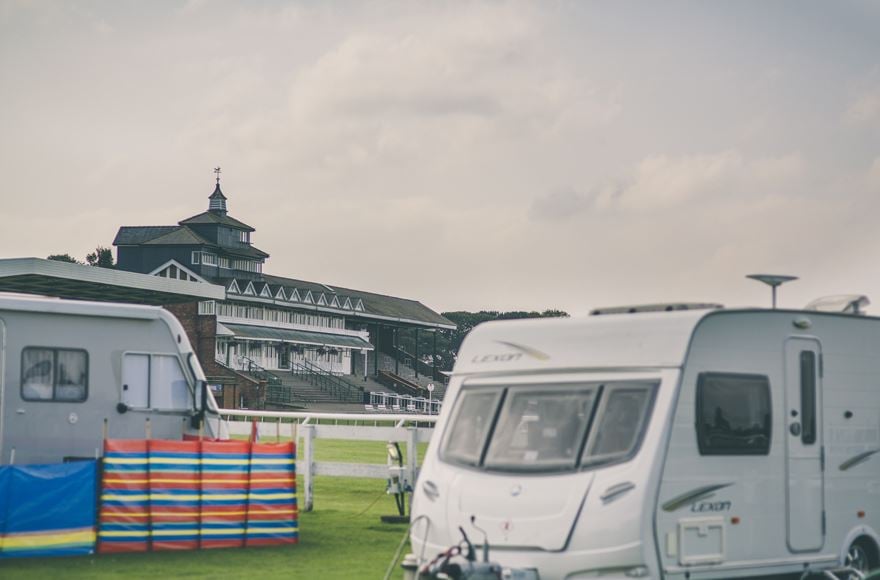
772	280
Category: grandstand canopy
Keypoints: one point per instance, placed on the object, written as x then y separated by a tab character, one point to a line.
75	281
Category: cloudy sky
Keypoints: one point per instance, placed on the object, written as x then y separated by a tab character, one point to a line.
471	155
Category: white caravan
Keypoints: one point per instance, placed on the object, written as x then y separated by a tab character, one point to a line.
67	368
688	444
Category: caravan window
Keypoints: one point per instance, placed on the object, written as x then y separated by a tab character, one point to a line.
155	381
733	414
808	396
541	428
622	420
54	374
473	417
551	427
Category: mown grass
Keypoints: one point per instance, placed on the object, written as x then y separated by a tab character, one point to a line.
342	538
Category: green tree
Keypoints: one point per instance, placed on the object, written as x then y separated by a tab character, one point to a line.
102	258
449	341
62	258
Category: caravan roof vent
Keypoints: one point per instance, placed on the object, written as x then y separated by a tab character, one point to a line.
656	308
845	303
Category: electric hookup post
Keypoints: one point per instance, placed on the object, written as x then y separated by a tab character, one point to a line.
398	483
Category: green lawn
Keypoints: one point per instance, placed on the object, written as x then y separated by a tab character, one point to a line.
342	538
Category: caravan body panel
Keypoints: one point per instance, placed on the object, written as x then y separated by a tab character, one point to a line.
721	485
63	376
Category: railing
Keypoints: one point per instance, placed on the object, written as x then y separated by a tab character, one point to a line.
284	396
329	383
251	367
306	427
420	366
400	385
377	402
277	393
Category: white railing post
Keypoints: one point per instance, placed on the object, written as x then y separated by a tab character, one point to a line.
308	464
412	459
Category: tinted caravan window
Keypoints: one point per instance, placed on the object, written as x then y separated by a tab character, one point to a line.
54	374
808	396
733	414
621	423
541	429
547	427
471	421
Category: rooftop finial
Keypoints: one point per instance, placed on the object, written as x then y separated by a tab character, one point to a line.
217	201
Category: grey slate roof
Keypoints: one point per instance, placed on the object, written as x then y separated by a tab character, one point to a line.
179	236
133	235
377	304
249	251
210	217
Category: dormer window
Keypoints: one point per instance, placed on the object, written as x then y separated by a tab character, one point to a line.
244	237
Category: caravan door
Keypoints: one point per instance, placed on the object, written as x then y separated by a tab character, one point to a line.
805	493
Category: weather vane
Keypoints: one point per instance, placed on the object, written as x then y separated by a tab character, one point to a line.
217	171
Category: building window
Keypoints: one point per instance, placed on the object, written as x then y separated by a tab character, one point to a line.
733	414
209	259
54	374
248	266
196	257
224	263
207	307
244	237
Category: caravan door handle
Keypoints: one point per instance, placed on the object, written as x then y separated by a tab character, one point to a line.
795	429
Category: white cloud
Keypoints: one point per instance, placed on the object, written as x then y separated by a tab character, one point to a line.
865	110
873	177
664	182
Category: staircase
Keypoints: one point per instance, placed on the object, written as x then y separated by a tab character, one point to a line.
388	363
333	387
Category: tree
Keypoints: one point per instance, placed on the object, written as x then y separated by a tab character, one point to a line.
448	342
62	258
102	258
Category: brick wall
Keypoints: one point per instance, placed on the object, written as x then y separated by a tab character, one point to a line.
202	333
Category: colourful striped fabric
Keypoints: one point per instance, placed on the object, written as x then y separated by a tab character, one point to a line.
225	482
188	494
272	509
175	493
47	510
124	520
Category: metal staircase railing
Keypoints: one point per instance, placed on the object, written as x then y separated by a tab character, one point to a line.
335	386
277	393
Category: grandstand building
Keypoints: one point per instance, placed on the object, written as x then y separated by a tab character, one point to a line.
271	328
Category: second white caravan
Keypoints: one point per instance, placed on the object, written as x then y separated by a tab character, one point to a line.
689	444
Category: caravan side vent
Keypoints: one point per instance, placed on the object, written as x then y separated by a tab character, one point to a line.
656	308
843	303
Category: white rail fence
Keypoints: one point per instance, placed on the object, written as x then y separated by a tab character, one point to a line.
400	428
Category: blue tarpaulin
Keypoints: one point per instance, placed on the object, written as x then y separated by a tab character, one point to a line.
47	510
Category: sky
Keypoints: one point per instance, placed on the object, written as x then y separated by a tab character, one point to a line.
469	155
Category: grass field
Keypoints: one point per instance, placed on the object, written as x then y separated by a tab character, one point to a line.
341	538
